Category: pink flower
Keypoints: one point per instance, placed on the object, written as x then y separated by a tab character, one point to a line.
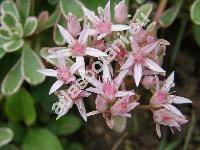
73	25
62	73
139	59
102	24
77	48
148	82
167	114
108	88
68	102
168	118
121	12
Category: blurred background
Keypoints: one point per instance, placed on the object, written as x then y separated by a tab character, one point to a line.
26	119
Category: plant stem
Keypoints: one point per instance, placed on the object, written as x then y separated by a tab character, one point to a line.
161	7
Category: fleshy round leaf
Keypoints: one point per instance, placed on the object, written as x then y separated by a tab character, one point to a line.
13	45
169	15
196	32
30	26
8	20
24	8
143	13
6	135
52	18
30	64
71	6
43	18
13	80
41	139
120	124
9	7
2	53
20	106
71	123
4	34
195	12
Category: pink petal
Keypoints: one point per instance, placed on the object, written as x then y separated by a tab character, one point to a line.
100	104
93	113
81	108
48	72
94	90
81	70
101	36
119	27
124	93
56	86
153	66
179	100
94	52
137	73
94	82
91	16
106	72
84	36
168	83
66	35
173	110
150	47
134	45
74	68
107	15
129	62
65	52
119	79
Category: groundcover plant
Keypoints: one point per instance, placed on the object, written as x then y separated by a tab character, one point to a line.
102	59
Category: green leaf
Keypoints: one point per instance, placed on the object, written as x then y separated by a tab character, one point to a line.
43	18
13	80
195	12
76	146
170	15
4	34
2	53
58	39
65	126
52	18
30	26
20	106
24	8
30	64
41	139
13	45
120	124
9	7
196	33
144	10
6	136
73	6
8	20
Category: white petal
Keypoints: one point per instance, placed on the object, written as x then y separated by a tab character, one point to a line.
101	36
66	35
94	52
119	79
81	70
179	100
74	67
91	15
150	47
106	72
119	27
48	72
173	109
153	66
94	81
168	83
93	113
158	130
107	15
84	35
129	62
56	86
124	93
134	45
94	90
137	73
81	108
64	52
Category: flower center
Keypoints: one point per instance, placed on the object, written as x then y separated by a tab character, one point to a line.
139	57
78	49
109	89
65	76
104	27
160	98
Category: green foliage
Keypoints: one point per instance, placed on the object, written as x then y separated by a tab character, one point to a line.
6	136
30	26
20	106
195	12
196	32
41	139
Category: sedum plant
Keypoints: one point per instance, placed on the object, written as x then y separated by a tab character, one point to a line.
121	47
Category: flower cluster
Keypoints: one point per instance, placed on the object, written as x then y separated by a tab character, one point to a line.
119	51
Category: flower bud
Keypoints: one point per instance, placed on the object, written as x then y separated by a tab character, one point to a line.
148	81
73	25
121	12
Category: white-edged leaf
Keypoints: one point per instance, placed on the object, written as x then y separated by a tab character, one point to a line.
120	124
58	39
195	12
13	80
24	8
2	53
30	26
14	45
31	62
8	20
9	7
4	34
6	135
